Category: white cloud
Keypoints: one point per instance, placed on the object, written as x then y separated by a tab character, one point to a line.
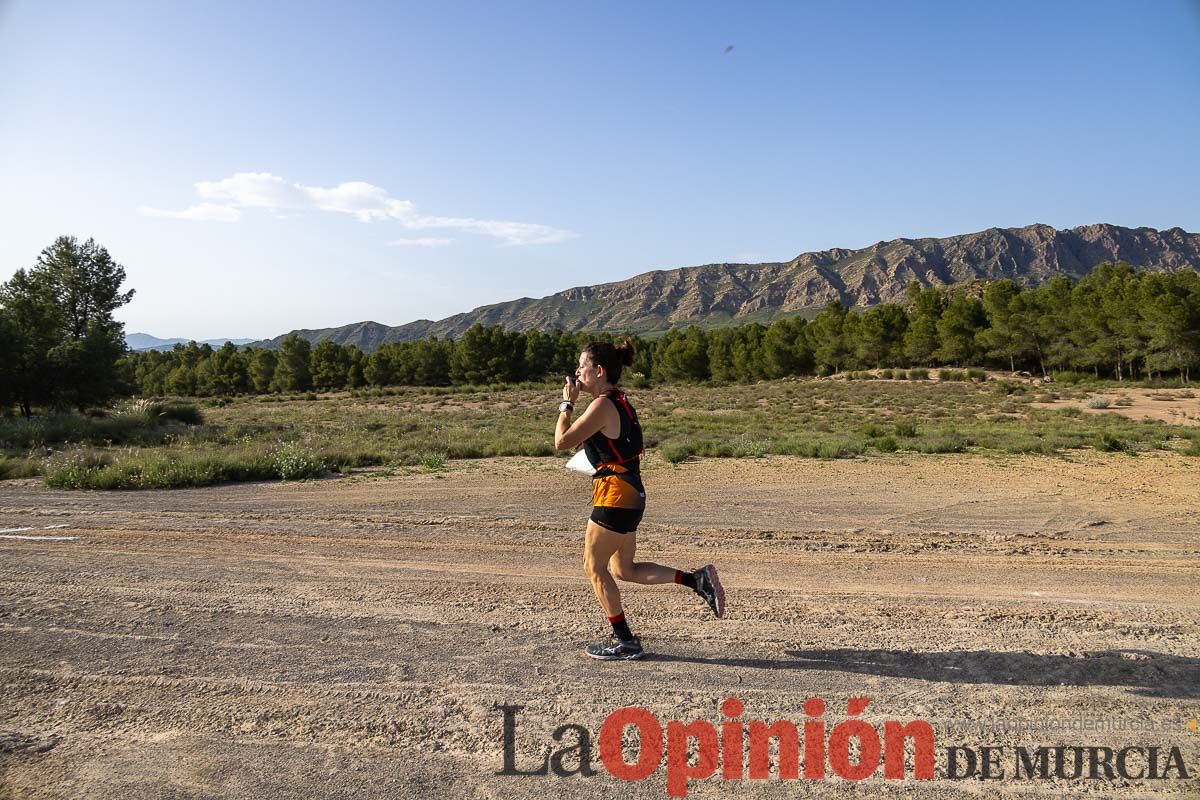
205	212
253	190
424	241
366	202
508	232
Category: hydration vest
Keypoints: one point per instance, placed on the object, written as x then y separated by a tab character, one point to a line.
626	449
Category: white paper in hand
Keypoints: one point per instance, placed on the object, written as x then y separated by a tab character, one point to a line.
579	463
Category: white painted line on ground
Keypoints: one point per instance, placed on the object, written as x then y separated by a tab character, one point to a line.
38	538
52	527
14	530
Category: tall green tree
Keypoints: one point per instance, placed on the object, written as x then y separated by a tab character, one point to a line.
1170	309
749	361
431	361
827	336
229	371
785	348
292	372
720	355
66	344
262	369
354	375
9	362
682	355
880	339
1000	339
1106	328
1048	315
924	310
476	356
957	328
329	365
539	348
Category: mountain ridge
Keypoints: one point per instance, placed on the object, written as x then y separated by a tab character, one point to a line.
729	293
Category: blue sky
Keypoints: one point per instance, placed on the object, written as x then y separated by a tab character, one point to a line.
259	166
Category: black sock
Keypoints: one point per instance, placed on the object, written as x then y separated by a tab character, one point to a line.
688	579
621	627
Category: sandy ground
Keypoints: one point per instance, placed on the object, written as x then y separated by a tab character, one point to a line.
354	637
1172	406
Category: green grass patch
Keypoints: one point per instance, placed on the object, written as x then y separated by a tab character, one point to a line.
428	428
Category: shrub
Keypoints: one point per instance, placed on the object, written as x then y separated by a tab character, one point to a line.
132	422
885	444
1097	401
75	470
188	413
1109	443
434	462
1071	411
676	452
885	374
920	374
18	468
951	375
821	447
976	374
906	428
941	444
292	462
635	380
1030	444
744	446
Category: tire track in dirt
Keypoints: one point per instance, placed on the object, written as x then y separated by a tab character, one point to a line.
354	637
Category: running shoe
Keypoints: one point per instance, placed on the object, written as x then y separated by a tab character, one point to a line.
616	649
708	586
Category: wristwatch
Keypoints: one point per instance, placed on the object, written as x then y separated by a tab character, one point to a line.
566	406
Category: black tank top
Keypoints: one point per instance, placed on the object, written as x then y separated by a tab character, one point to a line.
626	449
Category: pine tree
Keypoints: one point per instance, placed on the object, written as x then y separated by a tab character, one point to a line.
924	310
292	371
65	343
827	336
1000	339
262	369
957	327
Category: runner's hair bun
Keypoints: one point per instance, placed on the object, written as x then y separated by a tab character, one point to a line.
625	351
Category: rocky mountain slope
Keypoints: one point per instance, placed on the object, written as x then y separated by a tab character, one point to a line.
735	293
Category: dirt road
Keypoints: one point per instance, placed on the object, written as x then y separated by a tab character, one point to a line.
354	637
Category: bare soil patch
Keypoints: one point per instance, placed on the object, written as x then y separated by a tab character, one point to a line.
1173	406
353	637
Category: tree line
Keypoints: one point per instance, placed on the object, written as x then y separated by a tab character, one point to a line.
1115	322
60	346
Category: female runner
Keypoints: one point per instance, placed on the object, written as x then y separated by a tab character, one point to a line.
611	436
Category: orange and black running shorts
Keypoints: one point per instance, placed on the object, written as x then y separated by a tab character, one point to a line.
618	502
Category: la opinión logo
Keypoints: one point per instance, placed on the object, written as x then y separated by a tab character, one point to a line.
807	747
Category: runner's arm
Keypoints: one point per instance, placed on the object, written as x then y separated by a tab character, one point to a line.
568	436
